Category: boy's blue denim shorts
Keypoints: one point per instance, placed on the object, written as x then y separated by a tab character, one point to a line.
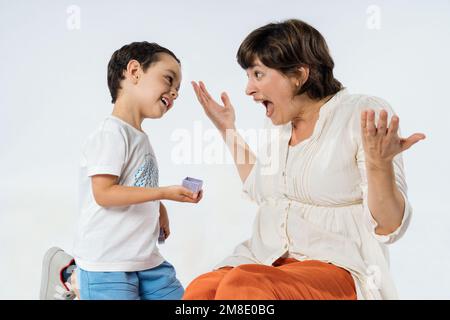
159	283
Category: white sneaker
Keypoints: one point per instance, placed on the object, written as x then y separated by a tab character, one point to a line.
52	283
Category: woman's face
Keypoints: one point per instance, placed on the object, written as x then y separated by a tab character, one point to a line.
274	90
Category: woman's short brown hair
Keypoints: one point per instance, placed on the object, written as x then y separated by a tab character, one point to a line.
288	45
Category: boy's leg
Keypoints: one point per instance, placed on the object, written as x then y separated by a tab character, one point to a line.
107	285
160	283
54	275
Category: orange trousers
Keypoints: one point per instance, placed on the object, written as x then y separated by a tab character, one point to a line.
287	279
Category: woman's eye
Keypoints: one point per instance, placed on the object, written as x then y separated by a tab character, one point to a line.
258	74
169	79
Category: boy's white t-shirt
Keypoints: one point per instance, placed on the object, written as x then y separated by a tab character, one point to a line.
123	238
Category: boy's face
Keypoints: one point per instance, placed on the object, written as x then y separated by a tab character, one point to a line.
157	88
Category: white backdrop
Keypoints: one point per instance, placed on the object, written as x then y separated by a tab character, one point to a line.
53	93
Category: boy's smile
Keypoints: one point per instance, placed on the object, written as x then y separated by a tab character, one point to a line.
148	94
158	87
167	103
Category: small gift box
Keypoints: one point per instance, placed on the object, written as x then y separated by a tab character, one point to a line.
195	185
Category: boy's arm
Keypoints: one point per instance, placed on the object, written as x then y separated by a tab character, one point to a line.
164	219
107	193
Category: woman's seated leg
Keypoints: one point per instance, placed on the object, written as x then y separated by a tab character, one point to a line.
204	287
307	280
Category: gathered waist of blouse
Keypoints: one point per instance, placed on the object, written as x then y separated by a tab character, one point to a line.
277	201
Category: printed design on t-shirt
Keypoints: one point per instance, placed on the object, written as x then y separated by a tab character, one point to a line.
147	174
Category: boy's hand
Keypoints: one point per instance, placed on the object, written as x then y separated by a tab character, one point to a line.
181	194
164	220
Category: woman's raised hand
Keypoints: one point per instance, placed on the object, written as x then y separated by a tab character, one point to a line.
381	141
222	116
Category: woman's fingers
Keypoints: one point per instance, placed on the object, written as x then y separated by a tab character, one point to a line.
204	90
196	90
411	140
200	95
381	128
371	129
393	126
203	95
195	87
381	141
382	123
225	99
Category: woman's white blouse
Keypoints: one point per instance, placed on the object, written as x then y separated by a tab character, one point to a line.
312	200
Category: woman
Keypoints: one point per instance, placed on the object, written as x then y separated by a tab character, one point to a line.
339	194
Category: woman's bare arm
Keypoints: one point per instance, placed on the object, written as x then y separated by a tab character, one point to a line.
223	117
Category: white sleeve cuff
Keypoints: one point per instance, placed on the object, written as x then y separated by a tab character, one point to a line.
398	233
92	171
249	185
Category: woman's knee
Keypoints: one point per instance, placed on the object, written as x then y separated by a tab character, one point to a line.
244	282
204	286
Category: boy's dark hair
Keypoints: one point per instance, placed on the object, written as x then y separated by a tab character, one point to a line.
288	45
144	52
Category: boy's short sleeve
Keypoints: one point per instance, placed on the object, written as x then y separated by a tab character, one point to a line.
105	153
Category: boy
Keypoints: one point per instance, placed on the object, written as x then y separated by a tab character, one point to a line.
121	212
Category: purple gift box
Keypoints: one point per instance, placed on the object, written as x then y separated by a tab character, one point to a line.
195	185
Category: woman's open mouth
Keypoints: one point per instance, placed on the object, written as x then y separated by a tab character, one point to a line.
269	108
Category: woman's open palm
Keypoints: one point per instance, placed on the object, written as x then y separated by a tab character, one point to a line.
381	141
222	116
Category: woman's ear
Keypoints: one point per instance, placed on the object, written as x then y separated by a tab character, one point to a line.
303	75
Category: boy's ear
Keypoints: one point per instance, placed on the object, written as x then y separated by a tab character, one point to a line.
133	70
